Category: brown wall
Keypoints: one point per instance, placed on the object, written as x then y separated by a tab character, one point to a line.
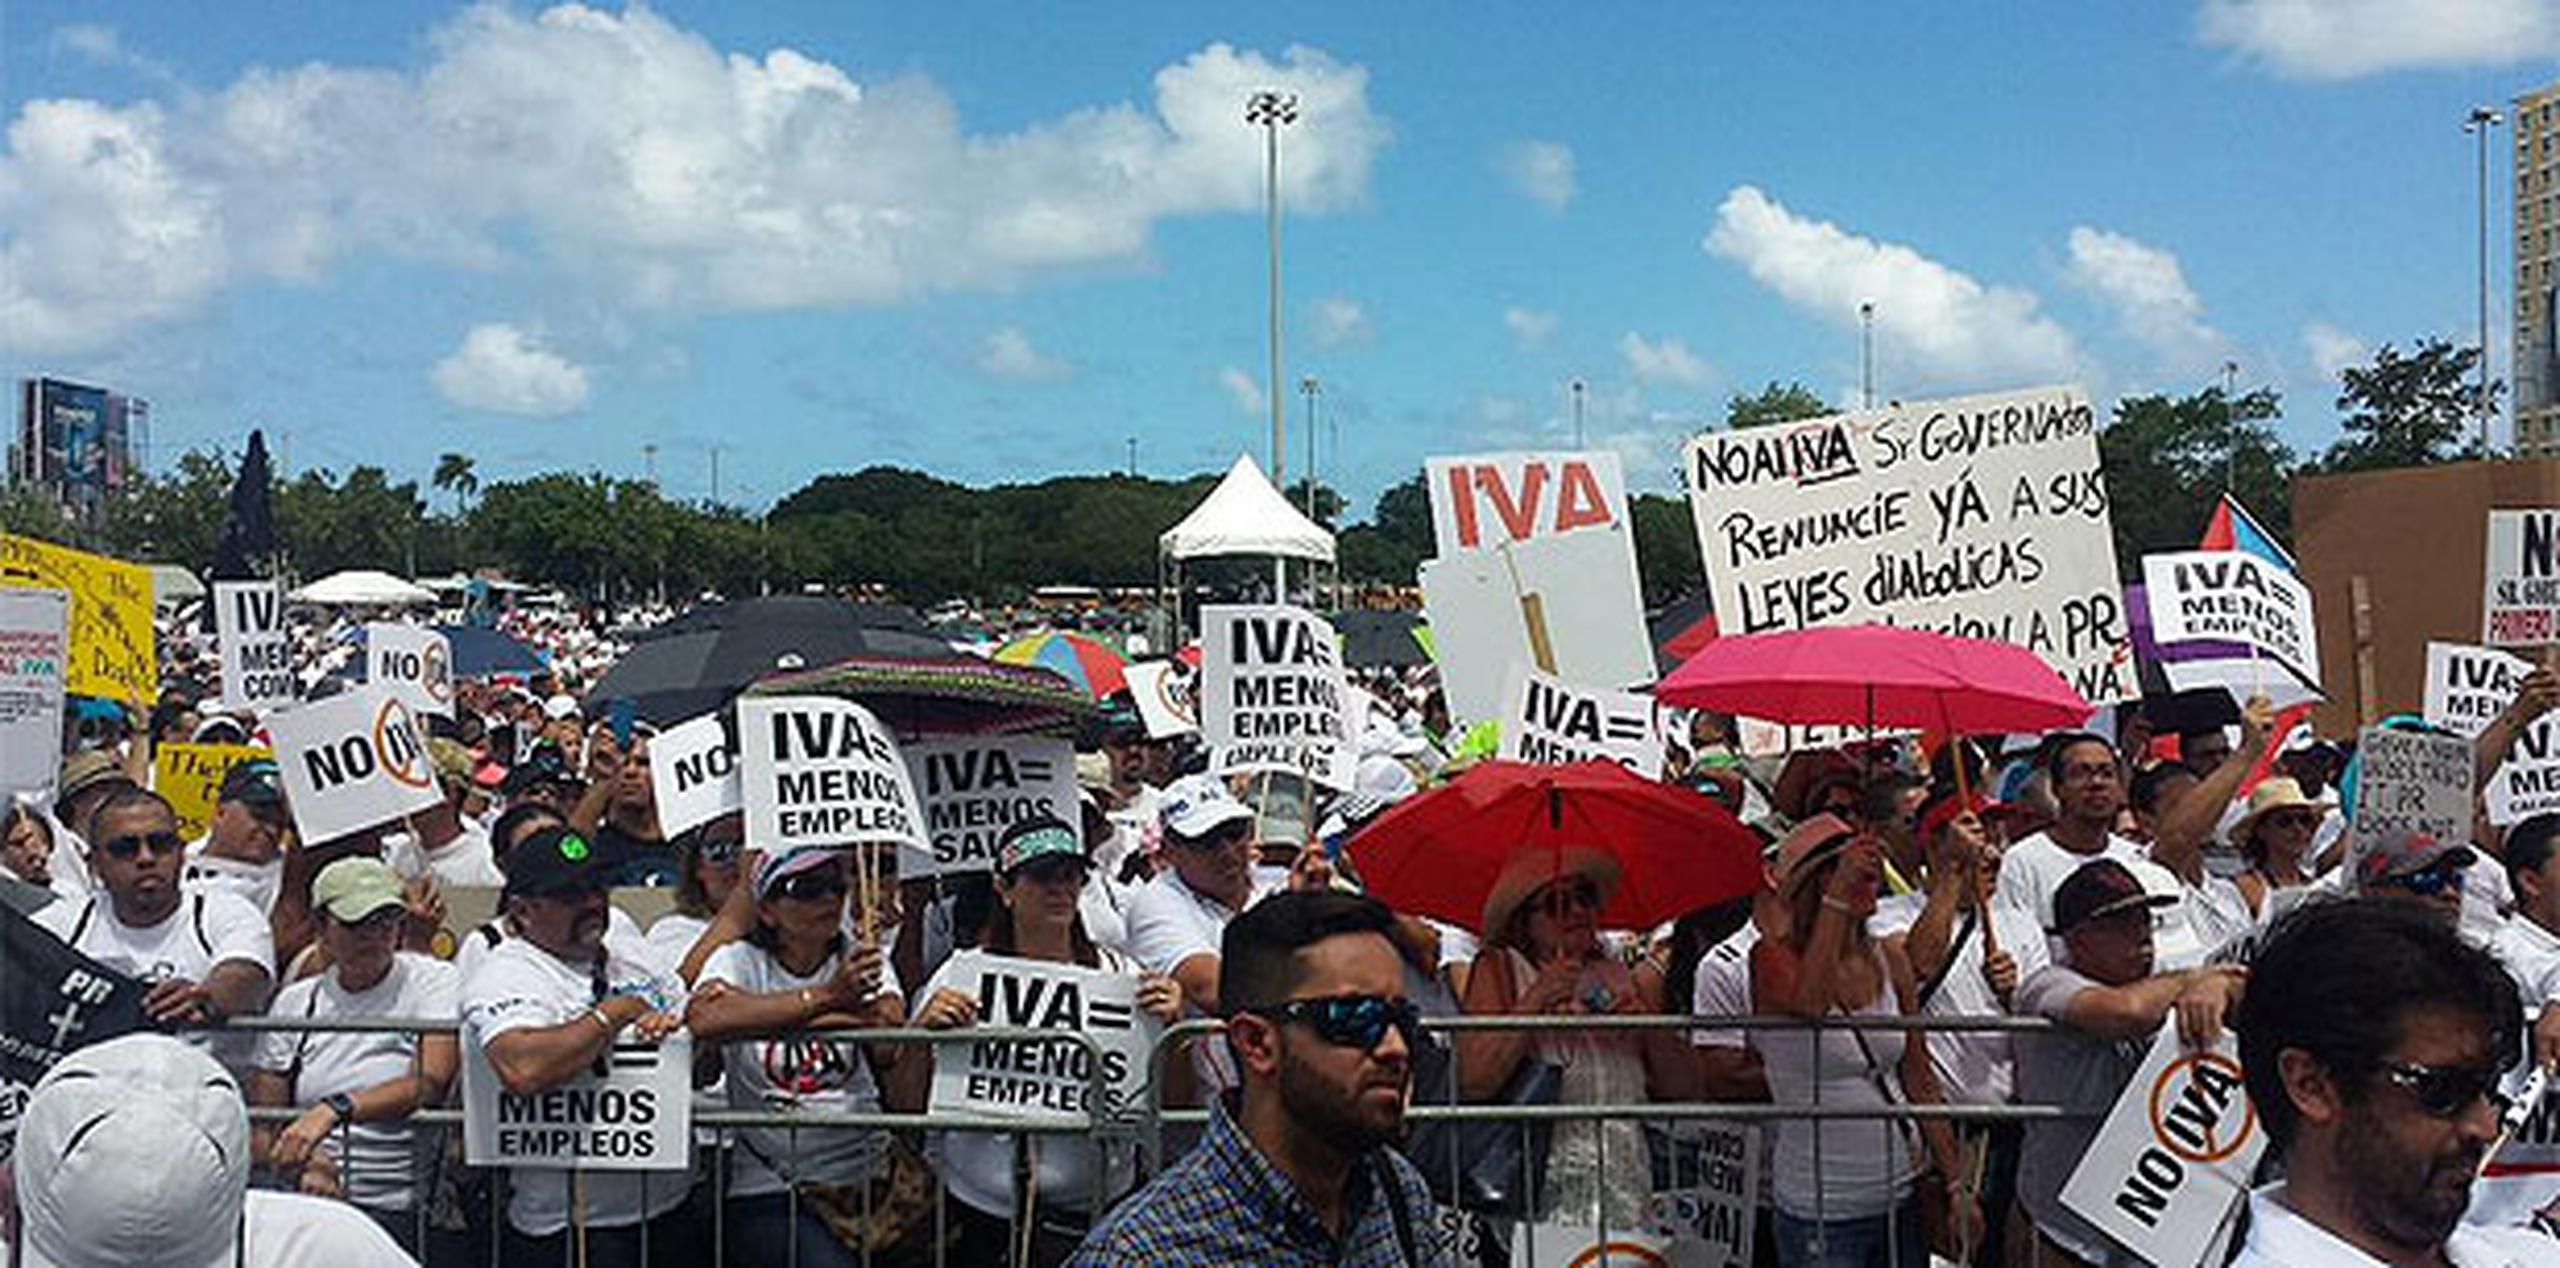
2417	538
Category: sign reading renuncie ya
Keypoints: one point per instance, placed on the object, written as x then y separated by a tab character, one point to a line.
636	1116
2173	1157
1984	516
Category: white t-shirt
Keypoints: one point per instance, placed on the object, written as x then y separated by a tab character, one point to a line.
255	882
293	1230
204	930
1170	922
1977	1067
464	860
519	986
381	1158
978	1166
826	1076
1723	988
2486	895
621	936
671	939
2181	933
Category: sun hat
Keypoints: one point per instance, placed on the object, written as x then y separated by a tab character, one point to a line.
2277	792
1809	845
1532	870
355	887
132	1151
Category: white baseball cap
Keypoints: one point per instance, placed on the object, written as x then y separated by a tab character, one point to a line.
132	1151
560	706
1196	805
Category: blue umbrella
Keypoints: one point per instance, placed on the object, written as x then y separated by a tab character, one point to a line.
478	653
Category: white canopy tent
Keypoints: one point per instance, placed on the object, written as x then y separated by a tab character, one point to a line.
358	587
1243	516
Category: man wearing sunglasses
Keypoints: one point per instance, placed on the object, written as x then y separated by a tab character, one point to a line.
2374	1039
1176	919
2417	868
1298	1168
243	852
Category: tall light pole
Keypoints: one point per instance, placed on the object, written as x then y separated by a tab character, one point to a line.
2230	437
649	452
1133	457
2478	124
1867	354
1309	388
1577	413
1272	111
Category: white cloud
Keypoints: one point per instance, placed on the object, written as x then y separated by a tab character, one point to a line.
1244	389
1340	320
2341	39
1541	171
1937	325
1529	327
627	158
502	370
1665	361
1007	354
2332	350
2149	295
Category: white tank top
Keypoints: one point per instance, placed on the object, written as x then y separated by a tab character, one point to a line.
1860	1167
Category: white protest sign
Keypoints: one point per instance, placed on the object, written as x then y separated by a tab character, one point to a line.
2528	783
2468	687
1017	1077
973	787
2173	1158
636	1116
413	660
1273	695
1168	698
1710	1222
693	774
1582	1246
1763	738
2520	596
1984	516
1579	588
1484	500
257	654
35	661
2411	780
815	770
2230	597
353	761
1552	722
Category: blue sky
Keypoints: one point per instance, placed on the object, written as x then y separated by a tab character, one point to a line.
994	240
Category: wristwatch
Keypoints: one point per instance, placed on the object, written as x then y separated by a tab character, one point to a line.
342	1105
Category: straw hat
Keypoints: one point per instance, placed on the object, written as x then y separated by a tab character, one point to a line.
2276	793
1808	846
1532	870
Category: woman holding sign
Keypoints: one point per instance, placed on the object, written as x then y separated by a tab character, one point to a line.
1041	869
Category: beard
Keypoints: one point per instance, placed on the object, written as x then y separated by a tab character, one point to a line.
1334	1115
2412	1201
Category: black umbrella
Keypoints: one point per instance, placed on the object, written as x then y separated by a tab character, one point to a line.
479	653
672	677
793	610
1374	639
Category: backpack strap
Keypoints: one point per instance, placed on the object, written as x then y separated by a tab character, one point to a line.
202	939
88	908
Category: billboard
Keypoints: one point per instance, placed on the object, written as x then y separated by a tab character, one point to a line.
76	441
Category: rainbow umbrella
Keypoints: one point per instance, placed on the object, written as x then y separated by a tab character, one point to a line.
1080	660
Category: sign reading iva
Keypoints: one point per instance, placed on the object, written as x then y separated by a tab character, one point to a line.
1273	695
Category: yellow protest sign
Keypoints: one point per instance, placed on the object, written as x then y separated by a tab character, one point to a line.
113	652
190	776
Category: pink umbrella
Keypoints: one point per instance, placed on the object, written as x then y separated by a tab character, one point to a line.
1877	675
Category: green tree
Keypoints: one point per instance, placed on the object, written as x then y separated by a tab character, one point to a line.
2415	410
1390	548
175	517
1776	403
1666	548
455	476
2168	459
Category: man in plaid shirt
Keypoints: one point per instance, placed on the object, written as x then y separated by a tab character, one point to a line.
1299	1168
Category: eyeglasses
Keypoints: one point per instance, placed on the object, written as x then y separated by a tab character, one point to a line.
129	846
2293	819
1351	1021
2444	1091
1560	900
2427	882
720	852
805	886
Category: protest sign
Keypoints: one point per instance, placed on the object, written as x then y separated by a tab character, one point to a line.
2528	783
113	652
2173	1158
815	770
973	787
2520	596
190	777
2225	596
2412	781
1273	695
1168	698
1582	1246
636	1116
693	774
1983	516
415	662
257	654
1552	722
352	761
35	654
1762	738
1485	500
2468	687
1572	596
1710	1221
54	999
1018	1077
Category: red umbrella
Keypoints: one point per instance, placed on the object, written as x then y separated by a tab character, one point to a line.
1442	853
1877	675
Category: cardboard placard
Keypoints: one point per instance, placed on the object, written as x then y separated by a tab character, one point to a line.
1273	695
693	774
35	658
1030	1077
637	1116
257	653
1483	500
353	761
1762	738
815	770
1168	698
2414	781
1552	722
1711	1223
2226	596
414	661
114	652
190	777
1983	516
2172	1160
974	787
2468	687
2520	595
1581	587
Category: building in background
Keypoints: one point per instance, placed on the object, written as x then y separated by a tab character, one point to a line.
2536	371
76	443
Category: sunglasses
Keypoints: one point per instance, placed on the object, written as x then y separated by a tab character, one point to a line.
2427	882
2444	1091
130	846
805	886
720	852
2293	819
1559	900
1351	1021
378	921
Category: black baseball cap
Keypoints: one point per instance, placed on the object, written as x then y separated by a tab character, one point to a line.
254	780
546	764
555	861
2102	887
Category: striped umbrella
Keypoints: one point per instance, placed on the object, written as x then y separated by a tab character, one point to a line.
1080	660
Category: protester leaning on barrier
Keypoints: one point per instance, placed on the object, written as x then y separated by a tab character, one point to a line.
354	1141
512	829
242	852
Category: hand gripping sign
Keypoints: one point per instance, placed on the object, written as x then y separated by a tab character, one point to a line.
1017	1077
2174	1156
353	761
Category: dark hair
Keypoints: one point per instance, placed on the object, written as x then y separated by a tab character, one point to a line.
2531	843
2150	782
1942	765
12	811
512	820
1880	798
122	797
2337	979
996	933
2061	742
1258	957
1692	937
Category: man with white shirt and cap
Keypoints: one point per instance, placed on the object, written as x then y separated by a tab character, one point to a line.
243	851
1176	919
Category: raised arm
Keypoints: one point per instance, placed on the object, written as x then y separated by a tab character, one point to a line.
2189	822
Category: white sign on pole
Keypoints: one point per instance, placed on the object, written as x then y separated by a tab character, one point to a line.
636	1116
693	774
257	654
1763	738
2231	597
1484	500
1984	516
415	661
974	787
2468	687
1273	695
351	762
1018	1077
2520	596
2529	783
815	770
35	663
2173	1158
1579	589
1552	722
1168	696
2411	780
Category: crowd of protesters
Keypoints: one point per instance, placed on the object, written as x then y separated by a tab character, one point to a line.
2110	884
